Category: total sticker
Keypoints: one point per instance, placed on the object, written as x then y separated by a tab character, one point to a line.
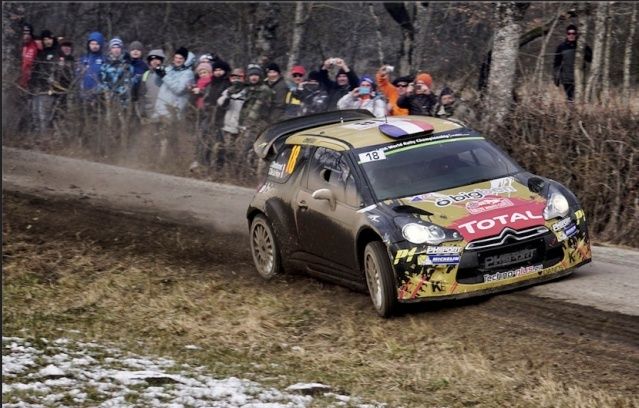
373	155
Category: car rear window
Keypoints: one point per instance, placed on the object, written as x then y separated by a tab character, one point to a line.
402	169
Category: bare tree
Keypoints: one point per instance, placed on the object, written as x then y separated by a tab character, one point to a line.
503	62
378	32
539	71
628	53
302	14
400	14
605	76
584	12
594	79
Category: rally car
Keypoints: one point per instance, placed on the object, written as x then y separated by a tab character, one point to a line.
409	208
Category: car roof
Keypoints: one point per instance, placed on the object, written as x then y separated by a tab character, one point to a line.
363	132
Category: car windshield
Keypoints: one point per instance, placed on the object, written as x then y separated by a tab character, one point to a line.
408	168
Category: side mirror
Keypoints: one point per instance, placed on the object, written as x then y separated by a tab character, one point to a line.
325	194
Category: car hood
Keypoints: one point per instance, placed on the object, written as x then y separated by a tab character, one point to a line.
477	210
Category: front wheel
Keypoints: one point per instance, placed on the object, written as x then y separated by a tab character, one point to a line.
379	278
266	255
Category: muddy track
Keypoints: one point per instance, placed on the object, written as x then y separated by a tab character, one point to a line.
516	327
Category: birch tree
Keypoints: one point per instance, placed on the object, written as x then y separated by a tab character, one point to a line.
503	62
605	76
539	71
594	79
302	13
628	53
584	11
378	32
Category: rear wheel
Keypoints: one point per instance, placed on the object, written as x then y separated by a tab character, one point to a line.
264	249
379	278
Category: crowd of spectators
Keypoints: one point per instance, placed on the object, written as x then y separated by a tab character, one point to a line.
232	105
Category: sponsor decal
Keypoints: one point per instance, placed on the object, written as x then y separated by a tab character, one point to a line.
404	253
498	186
374	218
440	250
292	160
580	216
487	204
373	155
276	170
361	125
504	219
309	140
524	270
438	259
266	187
560	225
509	258
570	231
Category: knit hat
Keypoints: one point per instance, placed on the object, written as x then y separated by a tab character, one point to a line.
159	54
27	28
183	52
254	69
46	34
65	42
116	42
341	72
446	91
298	69
223	65
571	27
136	45
366	78
314	76
406	79
273	67
425	78
204	66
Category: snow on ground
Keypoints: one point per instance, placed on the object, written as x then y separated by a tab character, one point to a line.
68	373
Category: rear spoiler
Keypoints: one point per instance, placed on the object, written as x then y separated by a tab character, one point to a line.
268	142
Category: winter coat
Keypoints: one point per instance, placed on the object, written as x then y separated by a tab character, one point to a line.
230	102
257	106
139	68
89	67
42	76
456	110
390	92
116	76
314	99
292	105
149	90
29	55
64	74
376	105
564	62
418	104
173	96
280	90
215	116
335	92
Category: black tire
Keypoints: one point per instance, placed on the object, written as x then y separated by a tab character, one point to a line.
380	278
264	248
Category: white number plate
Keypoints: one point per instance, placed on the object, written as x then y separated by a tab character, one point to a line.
373	155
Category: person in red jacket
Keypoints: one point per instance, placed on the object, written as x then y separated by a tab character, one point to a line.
29	52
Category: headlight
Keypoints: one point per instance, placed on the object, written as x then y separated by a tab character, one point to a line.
419	234
557	205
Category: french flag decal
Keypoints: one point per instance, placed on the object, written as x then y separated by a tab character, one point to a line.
401	128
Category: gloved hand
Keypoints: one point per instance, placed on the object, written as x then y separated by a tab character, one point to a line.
161	71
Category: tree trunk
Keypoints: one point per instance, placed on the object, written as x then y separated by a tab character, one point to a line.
584	12
378	32
628	53
594	79
399	13
539	66
605	76
503	63
423	17
267	31
301	17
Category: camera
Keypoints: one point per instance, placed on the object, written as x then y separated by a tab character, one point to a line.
389	68
332	61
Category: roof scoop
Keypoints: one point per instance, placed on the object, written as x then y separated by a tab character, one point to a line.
398	129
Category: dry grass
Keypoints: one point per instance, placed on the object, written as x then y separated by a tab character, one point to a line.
294	329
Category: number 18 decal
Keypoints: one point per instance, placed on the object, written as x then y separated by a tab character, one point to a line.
373	155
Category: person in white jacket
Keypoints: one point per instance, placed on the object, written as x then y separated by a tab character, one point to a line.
364	97
231	101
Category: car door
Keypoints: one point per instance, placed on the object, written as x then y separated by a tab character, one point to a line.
326	227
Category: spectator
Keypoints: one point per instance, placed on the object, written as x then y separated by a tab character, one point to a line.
292	105
173	98
564	62
278	85
136	50
419	100
64	76
42	82
345	81
203	147
214	116
393	90
116	76
151	82
29	54
90	65
449	106
231	102
364	97
314	98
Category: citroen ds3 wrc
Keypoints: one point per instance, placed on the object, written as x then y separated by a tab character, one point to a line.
408	208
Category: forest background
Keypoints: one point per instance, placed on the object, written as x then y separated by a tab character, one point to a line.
590	146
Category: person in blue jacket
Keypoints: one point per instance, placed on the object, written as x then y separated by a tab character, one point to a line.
89	66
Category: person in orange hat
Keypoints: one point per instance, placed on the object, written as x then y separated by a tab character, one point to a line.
419	99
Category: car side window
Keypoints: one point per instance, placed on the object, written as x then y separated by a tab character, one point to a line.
286	162
329	169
